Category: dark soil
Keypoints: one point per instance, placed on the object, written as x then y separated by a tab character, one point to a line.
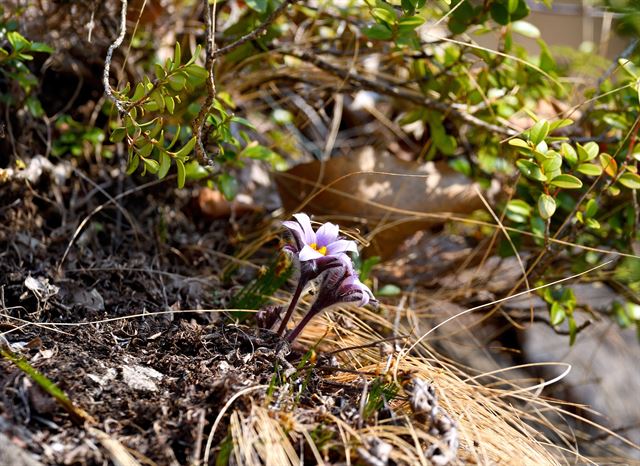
155	383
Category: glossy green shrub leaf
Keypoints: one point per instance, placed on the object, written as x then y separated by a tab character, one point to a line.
177	55
159	71
530	170
630	180
557	314
259	6
18	42
133	164
177	81
377	32
195	74
185	151
591	208
569	153
118	134
181	173
609	165
170	104
539	132
410	23
384	16
519	207
589	169
546	206
165	164
566	182
587	152
228	185
552	162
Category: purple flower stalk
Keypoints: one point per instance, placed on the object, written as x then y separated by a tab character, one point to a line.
339	285
316	251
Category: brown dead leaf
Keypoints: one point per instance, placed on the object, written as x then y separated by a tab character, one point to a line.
212	204
393	198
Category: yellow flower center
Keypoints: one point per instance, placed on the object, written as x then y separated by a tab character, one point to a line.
322	250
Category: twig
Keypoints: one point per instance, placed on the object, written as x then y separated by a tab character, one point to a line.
107	61
210	50
395	91
212	55
256	32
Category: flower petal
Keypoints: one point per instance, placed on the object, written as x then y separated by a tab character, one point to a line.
296	231
341	246
327	234
308	253
305	223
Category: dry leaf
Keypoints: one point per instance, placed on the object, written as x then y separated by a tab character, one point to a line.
392	207
212	204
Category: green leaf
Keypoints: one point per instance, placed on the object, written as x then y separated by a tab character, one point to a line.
552	162
410	23
530	170
196	74
526	29
520	207
228	185
18	42
176	136
566	182
384	16
41	47
259	6
591	208
139	92
158	99
588	152
177	81
559	124
500	13
516	142
181	173
512	6
630	180
159	71
377	32
177	54
243	121
183	153
569	153
609	165
546	206
133	164
165	164
118	134
152	165
573	330
557	313
170	104
621	315
589	169
539	132
389	290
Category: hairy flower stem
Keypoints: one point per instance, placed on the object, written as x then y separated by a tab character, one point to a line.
294	302
303	323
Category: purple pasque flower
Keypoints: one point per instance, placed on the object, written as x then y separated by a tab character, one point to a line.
339	285
313	245
317	252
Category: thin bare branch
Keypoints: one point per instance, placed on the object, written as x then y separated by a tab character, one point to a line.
107	61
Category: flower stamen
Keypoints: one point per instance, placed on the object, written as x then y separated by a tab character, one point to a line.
322	250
